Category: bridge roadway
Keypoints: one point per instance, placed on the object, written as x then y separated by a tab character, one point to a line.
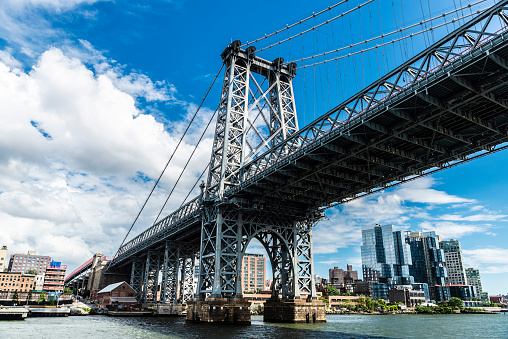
452	110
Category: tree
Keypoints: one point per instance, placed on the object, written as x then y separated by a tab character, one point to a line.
456	303
29	297
32	271
15	297
67	290
42	298
330	290
381	304
474	299
347	294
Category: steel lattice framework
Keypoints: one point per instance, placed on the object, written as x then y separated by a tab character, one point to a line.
443	107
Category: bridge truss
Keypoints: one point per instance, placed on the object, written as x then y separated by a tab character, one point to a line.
443	107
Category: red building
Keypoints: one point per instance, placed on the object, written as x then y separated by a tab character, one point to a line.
117	296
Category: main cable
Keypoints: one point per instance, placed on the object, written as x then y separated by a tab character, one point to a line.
171	157
317	26
296	23
393	41
396	31
186	164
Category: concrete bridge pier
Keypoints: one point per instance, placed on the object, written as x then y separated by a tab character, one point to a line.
219	310
294	311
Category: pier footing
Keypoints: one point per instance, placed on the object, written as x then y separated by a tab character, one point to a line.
168	310
294	311
219	310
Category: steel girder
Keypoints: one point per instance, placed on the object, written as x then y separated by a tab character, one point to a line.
170	274
151	277
137	274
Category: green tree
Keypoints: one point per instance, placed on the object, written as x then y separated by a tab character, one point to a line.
330	290
474	299
32	271
67	290
42	298
456	303
381	304
347	294
15	297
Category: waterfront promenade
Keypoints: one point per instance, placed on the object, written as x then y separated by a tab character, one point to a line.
337	326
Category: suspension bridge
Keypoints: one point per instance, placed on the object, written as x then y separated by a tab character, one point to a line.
272	181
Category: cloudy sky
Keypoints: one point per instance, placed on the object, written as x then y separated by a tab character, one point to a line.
94	96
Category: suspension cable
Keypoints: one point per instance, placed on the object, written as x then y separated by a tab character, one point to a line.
296	23
393	41
187	163
396	31
170	158
317	26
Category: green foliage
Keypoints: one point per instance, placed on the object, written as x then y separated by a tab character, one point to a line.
324	300
347	294
381	304
67	290
42	298
29	296
474	299
32	271
455	302
15	296
330	290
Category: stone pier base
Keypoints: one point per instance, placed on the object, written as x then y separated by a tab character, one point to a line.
219	310
168	310
294	311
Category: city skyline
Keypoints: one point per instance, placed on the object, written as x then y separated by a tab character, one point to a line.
96	94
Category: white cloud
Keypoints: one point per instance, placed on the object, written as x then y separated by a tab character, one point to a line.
472	218
488	260
419	191
75	154
447	229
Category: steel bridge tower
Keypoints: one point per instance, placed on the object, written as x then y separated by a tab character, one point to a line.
229	224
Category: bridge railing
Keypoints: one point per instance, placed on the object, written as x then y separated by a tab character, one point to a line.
190	209
419	70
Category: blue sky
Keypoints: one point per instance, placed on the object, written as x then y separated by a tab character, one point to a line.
95	95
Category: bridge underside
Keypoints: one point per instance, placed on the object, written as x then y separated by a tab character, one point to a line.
457	112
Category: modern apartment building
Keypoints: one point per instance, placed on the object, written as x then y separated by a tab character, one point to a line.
23	262
253	272
54	277
473	278
428	264
454	262
385	255
3	258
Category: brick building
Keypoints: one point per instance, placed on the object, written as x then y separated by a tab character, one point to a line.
11	282
23	262
117	296
3	258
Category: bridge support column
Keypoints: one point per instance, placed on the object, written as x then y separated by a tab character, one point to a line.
187	280
137	272
151	277
170	274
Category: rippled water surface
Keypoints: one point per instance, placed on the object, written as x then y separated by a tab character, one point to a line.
337	326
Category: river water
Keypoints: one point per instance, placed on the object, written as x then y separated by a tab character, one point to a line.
337	326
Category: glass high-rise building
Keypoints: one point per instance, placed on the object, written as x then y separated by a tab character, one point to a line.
428	262
473	278
385	255
454	262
